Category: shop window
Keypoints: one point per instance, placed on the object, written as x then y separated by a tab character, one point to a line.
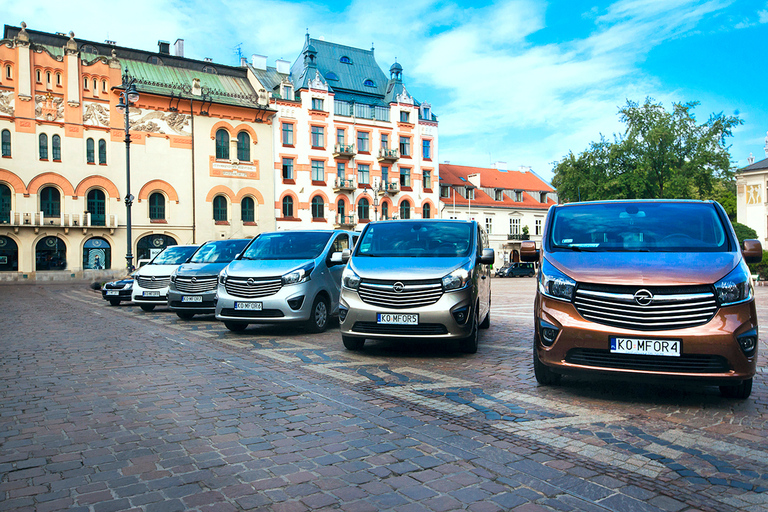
50	254
9	255
97	254
150	246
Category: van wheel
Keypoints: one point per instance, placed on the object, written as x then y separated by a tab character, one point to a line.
235	326
184	315
469	344
544	375
147	307
318	316
114	302
353	343
740	391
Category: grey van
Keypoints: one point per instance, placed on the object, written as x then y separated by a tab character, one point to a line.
412	279
284	276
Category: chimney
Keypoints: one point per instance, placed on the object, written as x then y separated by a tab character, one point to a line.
178	48
525	168
751	159
164	47
502	166
259	62
208	59
110	42
243	62
283	66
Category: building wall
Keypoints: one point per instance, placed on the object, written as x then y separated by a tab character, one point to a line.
752	202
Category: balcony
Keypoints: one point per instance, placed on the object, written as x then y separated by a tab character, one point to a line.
389	188
345	221
344	151
344	185
519	237
389	155
83	220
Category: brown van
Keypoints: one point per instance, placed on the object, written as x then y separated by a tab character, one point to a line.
645	288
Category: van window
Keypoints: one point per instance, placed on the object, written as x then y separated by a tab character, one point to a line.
288	245
222	251
175	255
646	227
341	243
421	239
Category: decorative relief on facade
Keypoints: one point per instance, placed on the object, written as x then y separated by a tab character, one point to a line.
96	114
49	108
317	82
232	170
6	103
167	123
753	194
405	98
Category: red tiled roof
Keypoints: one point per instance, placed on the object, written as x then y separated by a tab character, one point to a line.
493	178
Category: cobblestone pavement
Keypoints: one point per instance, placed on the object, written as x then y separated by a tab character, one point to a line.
111	408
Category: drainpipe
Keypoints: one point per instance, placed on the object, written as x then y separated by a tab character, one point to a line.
194	196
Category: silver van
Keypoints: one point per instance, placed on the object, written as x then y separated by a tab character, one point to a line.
412	279
193	285
150	286
284	276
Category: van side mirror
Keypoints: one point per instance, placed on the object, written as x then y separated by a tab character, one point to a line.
487	257
339	258
752	250
528	251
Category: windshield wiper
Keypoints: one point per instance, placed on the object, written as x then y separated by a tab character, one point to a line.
575	248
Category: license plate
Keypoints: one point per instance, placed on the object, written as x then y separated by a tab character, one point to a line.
151	294
113	292
191	298
253	306
398	319
645	347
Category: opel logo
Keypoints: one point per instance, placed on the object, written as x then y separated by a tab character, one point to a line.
398	287
250	281
153	278
643	297
194	279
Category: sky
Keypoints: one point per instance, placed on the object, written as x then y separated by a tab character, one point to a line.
523	82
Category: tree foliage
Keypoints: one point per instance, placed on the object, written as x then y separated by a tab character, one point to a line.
744	232
660	155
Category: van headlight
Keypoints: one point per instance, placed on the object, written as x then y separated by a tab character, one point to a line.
223	276
349	279
457	279
300	275
736	287
554	283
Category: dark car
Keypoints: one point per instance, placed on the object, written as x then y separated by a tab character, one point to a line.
118	291
502	271
520	270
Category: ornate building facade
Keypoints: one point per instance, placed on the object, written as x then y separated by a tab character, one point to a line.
201	154
752	195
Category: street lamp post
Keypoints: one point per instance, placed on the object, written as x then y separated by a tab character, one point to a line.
376	202
128	97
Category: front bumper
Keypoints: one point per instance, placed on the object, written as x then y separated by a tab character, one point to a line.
118	294
178	301
434	321
146	296
709	352
275	308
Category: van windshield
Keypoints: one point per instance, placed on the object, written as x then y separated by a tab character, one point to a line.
288	245
431	239
174	255
640	227
222	251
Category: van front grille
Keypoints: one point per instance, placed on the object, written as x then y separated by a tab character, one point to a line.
400	294
646	309
400	330
253	287
197	284
154	283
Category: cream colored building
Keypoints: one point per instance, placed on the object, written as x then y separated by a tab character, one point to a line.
752	196
200	154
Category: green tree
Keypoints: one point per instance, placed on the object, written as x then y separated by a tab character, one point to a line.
661	154
744	232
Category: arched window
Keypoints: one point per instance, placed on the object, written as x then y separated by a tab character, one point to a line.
340	207
345	60
150	245
243	147
58	79
318	210
50	254
89	151
43	143
222	144
248	210
154	59
97	254
426	211
5	204
363	208
384	211
287	207
9	254
405	210
5	142
48	77
102	152
220	209
88	48
97	207
156	206
210	69
50	202
38	76
56	147
369	83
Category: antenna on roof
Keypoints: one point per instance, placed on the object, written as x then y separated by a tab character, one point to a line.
238	50
371	45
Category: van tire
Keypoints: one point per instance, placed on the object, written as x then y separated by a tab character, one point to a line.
147	307
318	315
184	315
235	326
352	342
543	374
114	302
739	391
469	344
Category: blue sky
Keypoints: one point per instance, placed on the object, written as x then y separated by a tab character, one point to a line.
519	81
